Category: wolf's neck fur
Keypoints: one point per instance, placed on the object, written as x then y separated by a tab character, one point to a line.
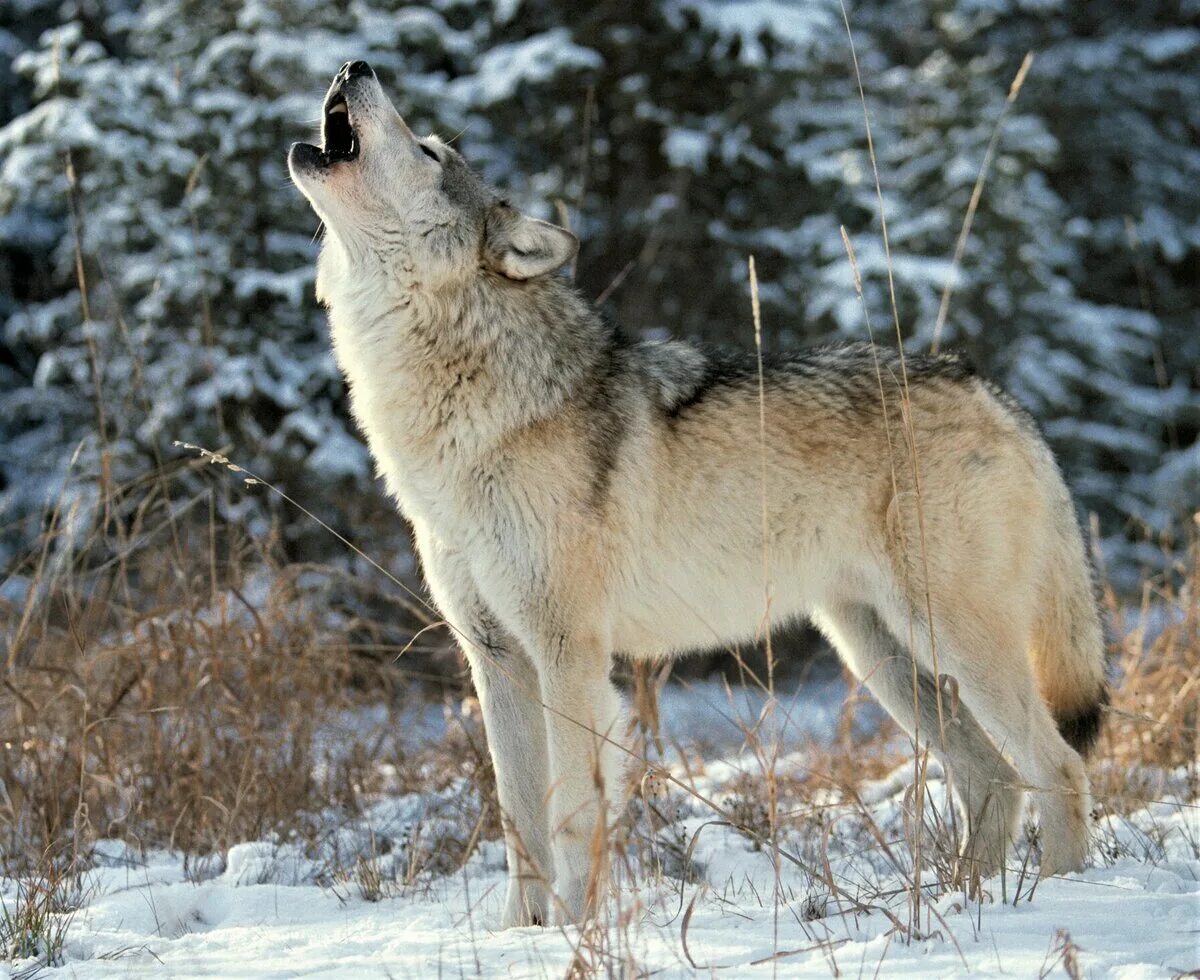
439	379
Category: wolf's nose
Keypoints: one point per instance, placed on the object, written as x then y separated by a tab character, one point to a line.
352	68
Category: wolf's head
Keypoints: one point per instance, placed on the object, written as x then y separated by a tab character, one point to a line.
413	205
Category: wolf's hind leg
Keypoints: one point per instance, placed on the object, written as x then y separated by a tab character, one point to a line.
986	783
998	683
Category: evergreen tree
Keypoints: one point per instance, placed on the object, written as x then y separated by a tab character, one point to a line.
678	137
1106	351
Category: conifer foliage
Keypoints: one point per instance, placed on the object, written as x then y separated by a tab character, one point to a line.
142	158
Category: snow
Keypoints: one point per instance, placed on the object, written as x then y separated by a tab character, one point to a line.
799	24
694	896
270	912
338	455
505	67
1171	44
686	148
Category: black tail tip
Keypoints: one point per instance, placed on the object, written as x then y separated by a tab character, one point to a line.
1082	729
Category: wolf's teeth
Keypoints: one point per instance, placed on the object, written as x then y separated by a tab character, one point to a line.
340	107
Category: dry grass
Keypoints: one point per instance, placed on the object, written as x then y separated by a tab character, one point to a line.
1151	742
193	694
35	915
193	726
184	696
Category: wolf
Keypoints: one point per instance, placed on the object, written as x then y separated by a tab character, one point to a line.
576	495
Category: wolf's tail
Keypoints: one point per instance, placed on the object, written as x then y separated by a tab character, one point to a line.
1068	642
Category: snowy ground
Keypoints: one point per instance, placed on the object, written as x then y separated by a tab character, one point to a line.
276	909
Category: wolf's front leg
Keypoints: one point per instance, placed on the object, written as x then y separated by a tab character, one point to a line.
507	685
585	723
510	696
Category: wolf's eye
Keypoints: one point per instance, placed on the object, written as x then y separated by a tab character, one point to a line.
429	153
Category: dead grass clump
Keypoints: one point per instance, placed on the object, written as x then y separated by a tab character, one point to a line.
37	909
172	697
1151	739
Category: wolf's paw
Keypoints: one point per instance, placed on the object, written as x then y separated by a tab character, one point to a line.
528	903
572	907
1063	853
1065	827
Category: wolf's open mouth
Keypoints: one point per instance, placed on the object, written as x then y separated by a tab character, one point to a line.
340	139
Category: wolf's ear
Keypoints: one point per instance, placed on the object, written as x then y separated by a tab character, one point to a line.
523	248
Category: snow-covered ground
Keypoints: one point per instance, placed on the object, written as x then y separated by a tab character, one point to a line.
263	916
697	896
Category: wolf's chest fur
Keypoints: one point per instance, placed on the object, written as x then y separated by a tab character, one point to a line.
425	420
439	398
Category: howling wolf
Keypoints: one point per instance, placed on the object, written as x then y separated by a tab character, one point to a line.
576	495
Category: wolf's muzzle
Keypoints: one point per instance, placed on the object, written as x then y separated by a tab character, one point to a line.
352	69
